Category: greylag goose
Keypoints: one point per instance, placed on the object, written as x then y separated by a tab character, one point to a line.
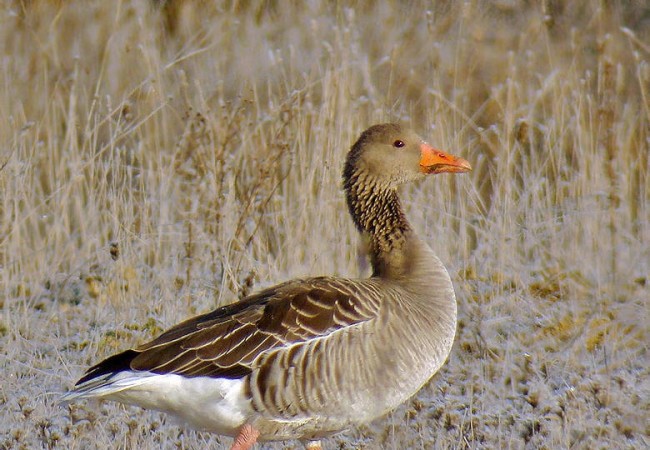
311	357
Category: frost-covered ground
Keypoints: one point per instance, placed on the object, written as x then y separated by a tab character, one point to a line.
158	161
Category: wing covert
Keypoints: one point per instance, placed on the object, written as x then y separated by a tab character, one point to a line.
226	342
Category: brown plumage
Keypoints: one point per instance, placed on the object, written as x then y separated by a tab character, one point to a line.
308	358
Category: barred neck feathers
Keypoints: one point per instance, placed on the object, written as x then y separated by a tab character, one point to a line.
377	213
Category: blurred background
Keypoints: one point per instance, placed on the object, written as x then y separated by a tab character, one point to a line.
158	159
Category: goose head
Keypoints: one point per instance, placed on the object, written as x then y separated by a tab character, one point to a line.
390	154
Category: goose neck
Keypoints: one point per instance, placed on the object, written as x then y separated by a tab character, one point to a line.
376	211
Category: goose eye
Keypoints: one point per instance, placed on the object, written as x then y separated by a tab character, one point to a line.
398	144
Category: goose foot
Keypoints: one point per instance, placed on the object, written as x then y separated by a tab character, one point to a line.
246	438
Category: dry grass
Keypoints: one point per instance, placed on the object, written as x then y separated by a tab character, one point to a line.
157	161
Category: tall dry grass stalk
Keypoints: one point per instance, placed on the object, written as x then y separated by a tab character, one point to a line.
158	159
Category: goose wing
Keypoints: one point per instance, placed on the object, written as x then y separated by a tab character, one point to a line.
225	342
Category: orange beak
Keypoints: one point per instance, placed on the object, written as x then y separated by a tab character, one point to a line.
436	161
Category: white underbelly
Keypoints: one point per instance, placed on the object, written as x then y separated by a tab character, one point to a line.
216	405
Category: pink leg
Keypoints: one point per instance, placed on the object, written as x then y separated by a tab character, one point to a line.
246	438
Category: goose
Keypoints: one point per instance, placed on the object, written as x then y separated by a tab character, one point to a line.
309	358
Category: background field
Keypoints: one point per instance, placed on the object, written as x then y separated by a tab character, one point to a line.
160	159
